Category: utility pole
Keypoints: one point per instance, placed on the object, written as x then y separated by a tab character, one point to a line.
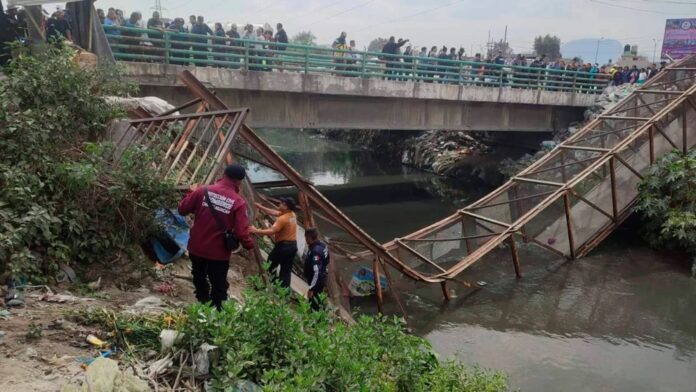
654	49
597	51
158	7
505	41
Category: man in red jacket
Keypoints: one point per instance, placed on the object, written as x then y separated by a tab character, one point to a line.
210	259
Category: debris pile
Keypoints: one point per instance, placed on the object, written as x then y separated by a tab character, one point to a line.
609	98
440	151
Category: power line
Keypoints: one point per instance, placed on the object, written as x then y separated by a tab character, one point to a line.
661	2
315	10
359	5
410	15
632	8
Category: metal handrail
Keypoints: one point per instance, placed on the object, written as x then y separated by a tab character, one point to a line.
170	47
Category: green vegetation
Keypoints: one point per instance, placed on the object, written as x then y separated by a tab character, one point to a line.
548	45
60	199
667	203
304	38
280	346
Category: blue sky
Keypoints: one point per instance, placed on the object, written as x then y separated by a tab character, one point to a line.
442	22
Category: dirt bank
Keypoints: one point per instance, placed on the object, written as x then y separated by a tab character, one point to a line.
42	349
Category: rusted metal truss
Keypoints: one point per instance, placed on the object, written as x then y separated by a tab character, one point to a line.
575	196
567	202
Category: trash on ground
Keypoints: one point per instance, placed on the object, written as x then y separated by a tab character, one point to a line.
168	338
206	356
149	304
103	375
95	341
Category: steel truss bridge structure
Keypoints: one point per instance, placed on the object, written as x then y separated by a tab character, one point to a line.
566	202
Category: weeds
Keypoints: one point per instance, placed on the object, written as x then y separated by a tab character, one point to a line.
283	347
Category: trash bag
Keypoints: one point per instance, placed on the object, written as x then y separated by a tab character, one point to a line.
171	243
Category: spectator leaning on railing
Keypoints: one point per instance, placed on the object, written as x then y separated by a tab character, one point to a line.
265	52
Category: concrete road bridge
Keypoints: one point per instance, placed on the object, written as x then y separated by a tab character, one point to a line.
297	86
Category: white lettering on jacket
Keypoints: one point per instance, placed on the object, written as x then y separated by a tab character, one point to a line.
220	202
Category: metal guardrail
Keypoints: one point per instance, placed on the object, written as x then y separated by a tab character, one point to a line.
168	47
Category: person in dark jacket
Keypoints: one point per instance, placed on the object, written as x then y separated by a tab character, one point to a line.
156	23
57	28
391	49
219	41
210	258
281	37
178	42
316	263
202	29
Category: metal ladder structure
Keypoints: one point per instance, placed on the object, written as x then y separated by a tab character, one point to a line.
567	202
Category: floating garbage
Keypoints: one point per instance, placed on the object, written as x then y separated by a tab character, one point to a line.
362	283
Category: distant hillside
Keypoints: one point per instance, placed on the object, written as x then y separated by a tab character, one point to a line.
585	49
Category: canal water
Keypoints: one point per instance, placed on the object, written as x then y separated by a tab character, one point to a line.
621	319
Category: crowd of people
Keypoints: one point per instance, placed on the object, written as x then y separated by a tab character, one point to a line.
399	60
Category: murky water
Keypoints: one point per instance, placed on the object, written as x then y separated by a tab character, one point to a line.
621	319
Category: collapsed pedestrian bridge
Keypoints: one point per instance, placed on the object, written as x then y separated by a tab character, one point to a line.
566	203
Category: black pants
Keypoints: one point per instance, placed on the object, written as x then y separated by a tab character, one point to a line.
283	255
213	271
314	301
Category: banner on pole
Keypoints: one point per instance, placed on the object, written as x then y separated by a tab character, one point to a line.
680	38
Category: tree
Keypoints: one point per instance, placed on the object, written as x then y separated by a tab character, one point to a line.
548	45
304	38
377	44
501	46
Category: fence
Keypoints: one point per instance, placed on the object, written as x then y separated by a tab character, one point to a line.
133	44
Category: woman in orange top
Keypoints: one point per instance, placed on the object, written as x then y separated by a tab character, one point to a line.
284	234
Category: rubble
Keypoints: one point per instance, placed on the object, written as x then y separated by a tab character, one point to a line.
152	105
609	98
440	151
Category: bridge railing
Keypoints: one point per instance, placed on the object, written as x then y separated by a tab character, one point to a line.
168	47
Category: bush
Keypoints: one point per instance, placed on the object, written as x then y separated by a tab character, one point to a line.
667	203
61	201
282	347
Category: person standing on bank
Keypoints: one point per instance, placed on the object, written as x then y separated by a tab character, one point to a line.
284	233
316	263
220	215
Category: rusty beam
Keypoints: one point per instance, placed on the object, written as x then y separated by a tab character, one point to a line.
614	196
539	182
569	224
515	256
